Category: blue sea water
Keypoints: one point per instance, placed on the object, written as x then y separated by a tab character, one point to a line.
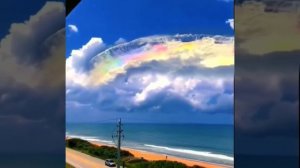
211	143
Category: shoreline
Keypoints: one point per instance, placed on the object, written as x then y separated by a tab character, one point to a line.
152	156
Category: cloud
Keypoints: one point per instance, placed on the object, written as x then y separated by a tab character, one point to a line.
33	47
147	75
205	93
230	22
26	40
266	78
32	73
261	31
203	51
120	41
262	115
267	103
79	61
266	39
153	87
73	28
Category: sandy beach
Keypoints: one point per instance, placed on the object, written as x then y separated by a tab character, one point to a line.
77	158
151	156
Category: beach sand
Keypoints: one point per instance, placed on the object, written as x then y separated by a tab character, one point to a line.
151	156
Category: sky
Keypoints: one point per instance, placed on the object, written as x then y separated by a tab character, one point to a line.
24	9
32	73
18	16
150	61
133	19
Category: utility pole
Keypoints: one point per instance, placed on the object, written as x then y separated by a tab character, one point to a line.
119	135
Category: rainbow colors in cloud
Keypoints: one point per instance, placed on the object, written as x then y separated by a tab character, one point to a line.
207	52
195	50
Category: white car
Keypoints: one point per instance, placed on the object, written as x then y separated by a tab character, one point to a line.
110	163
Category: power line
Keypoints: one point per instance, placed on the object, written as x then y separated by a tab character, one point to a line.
119	135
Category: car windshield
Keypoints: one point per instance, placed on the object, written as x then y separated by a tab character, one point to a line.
109	160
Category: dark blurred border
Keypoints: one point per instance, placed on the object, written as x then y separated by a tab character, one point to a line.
267	83
32	84
70	5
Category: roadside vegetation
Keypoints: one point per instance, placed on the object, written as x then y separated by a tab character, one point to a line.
102	152
107	152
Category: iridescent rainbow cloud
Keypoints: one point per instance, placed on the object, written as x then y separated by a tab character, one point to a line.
205	51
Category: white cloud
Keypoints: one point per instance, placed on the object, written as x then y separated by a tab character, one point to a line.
159	83
78	60
197	90
73	28
141	81
230	22
120	41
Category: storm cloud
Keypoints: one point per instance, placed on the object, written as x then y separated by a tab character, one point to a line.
32	75
266	78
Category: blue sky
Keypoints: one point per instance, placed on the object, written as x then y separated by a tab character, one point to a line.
159	78
131	19
25	10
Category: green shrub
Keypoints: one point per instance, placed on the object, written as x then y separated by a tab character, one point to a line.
102	152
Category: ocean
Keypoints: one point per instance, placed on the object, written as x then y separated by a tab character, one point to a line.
211	143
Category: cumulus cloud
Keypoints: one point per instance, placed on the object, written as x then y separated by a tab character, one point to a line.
188	82
155	85
230	22
153	91
205	93
73	28
158	74
32	47
79	61
32	67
